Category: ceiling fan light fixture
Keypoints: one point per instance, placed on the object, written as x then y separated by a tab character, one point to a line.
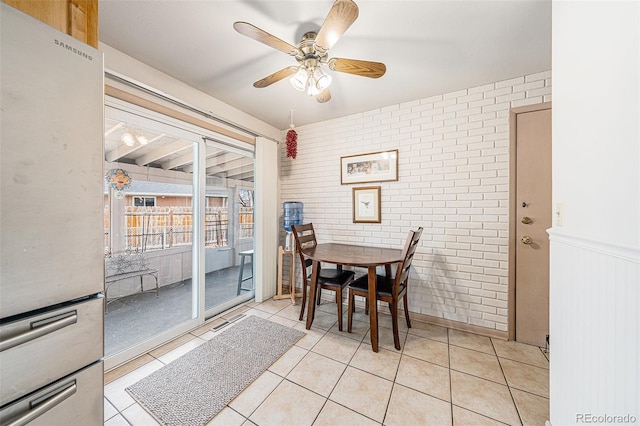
322	79
299	80
142	140
127	139
312	88
311	79
312	52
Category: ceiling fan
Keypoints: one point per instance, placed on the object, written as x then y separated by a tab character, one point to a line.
312	53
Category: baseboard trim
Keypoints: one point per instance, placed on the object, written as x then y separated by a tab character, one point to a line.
460	326
428	319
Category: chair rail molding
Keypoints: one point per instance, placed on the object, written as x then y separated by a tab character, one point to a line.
630	253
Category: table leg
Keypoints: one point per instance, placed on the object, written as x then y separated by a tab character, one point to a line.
311	304
373	308
387	270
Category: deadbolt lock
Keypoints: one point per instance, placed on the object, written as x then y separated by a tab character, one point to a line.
526	239
526	220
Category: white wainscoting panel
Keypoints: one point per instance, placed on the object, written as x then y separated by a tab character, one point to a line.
594	331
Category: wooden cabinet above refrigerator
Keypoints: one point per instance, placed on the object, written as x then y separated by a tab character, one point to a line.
78	18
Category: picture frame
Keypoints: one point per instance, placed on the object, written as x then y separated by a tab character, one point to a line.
378	166
366	204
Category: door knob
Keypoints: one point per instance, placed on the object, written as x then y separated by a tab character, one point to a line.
526	239
526	220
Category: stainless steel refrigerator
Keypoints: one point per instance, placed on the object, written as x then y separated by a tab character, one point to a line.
51	225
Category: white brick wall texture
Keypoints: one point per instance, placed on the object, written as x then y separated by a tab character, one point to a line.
453	178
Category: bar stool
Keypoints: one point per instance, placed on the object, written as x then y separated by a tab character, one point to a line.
243	254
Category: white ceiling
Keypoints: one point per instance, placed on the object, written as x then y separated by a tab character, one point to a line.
429	48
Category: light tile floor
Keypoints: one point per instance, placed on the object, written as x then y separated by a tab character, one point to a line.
440	377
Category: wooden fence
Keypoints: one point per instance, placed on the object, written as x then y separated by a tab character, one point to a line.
245	217
157	228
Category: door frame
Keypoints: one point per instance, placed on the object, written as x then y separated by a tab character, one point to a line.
513	238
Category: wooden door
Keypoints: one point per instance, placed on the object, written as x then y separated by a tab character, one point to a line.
533	218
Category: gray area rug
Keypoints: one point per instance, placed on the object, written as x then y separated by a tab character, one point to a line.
195	387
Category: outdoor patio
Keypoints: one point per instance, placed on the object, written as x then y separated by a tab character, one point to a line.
132	319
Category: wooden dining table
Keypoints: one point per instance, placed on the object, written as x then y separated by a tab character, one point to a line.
352	255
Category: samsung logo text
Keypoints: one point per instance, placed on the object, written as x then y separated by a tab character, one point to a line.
72	49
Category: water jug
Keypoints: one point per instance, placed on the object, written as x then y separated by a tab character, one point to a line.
292	214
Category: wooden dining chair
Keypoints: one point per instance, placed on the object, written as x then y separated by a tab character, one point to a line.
388	289
335	279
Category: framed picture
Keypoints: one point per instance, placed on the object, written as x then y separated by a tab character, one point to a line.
366	204
373	167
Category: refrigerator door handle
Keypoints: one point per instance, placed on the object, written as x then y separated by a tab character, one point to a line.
43	404
39	329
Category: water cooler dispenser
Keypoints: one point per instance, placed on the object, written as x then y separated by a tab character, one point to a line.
292	215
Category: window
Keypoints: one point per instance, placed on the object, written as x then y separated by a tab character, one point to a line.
245	212
144	201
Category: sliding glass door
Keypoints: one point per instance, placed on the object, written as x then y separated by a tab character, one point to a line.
228	225
178	211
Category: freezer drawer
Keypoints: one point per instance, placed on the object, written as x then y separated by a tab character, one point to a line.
74	400
39	349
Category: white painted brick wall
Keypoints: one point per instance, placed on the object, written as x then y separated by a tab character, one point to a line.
453	180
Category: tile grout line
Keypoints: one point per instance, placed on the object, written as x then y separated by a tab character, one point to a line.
361	344
478	377
450	378
284	378
393	383
347	365
507	382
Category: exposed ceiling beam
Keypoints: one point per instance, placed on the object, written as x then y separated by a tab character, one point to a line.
222	159
162	152
121	150
235	164
113	129
248	176
178	161
241	176
233	167
216	160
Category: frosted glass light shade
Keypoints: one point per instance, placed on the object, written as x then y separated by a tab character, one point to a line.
299	80
128	139
323	80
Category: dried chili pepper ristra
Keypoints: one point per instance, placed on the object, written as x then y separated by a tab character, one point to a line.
292	144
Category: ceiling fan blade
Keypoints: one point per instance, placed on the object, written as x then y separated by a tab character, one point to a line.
275	77
323	96
342	14
357	67
262	36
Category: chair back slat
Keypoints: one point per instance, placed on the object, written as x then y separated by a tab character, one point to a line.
307	241
410	246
